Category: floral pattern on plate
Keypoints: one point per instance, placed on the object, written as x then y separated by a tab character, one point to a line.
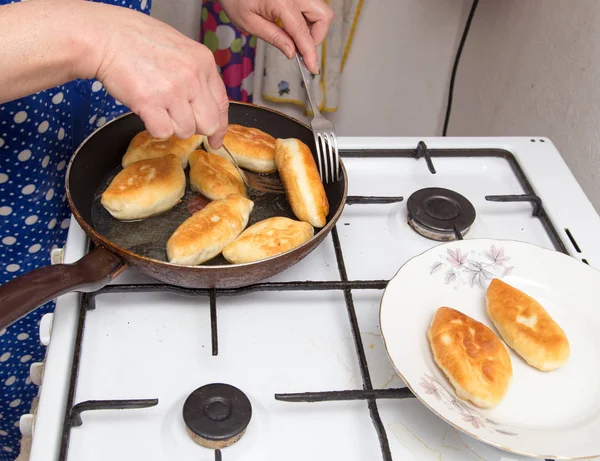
432	387
472	268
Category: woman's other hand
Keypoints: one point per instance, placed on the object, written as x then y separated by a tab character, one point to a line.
305	24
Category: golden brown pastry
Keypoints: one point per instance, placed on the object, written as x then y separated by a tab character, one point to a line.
267	238
213	176
203	235
527	327
144	146
251	148
475	361
301	180
145	188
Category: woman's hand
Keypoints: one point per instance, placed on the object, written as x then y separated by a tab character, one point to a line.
169	80
305	24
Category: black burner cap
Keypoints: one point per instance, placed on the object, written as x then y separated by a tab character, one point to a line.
217	415
435	212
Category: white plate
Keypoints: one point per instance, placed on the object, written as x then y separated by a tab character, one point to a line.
548	415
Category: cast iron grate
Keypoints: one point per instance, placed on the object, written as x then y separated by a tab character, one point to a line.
73	411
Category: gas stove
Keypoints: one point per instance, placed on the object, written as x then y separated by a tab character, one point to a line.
295	367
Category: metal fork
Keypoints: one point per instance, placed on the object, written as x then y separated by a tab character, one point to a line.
268	184
328	156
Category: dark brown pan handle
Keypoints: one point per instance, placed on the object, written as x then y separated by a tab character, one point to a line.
27	292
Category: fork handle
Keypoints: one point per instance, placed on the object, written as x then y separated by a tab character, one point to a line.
307	78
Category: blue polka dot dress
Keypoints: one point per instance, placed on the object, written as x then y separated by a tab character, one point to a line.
38	135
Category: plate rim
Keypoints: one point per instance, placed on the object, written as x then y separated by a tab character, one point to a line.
487	441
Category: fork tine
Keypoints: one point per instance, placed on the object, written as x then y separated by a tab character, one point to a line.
336	158
324	155
318	145
327	156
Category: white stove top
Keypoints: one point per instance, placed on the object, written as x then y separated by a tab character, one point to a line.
159	345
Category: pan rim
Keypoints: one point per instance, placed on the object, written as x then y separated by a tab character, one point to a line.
119	251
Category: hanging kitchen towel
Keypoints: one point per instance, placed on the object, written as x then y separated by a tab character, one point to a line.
282	81
233	51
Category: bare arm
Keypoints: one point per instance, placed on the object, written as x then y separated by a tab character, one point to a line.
41	47
171	81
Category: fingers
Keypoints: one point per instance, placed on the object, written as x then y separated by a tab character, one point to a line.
272	34
296	26
183	118
216	88
157	121
202	109
320	16
206	113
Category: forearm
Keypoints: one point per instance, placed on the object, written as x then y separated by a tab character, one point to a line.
43	44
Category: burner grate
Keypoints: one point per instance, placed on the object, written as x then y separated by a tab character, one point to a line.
72	413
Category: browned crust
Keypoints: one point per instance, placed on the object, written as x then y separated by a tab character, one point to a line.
250	142
301	180
252	149
527	327
268	238
208	231
213	176
145	184
144	146
474	359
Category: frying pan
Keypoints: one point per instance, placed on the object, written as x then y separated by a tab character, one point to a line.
141	244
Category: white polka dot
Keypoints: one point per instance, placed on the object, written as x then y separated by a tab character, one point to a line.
35	248
24	155
3	433
17	423
28	380
43	127
46	161
22	336
144	4
15	403
25	358
65	223
10	381
4	357
5	210
28	189
6	448
61	134
93	119
1	142
61	165
226	35
50	194
101	121
58	98
9	240
20	117
52	223
13	268
31	219
96	86
118	103
3	178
